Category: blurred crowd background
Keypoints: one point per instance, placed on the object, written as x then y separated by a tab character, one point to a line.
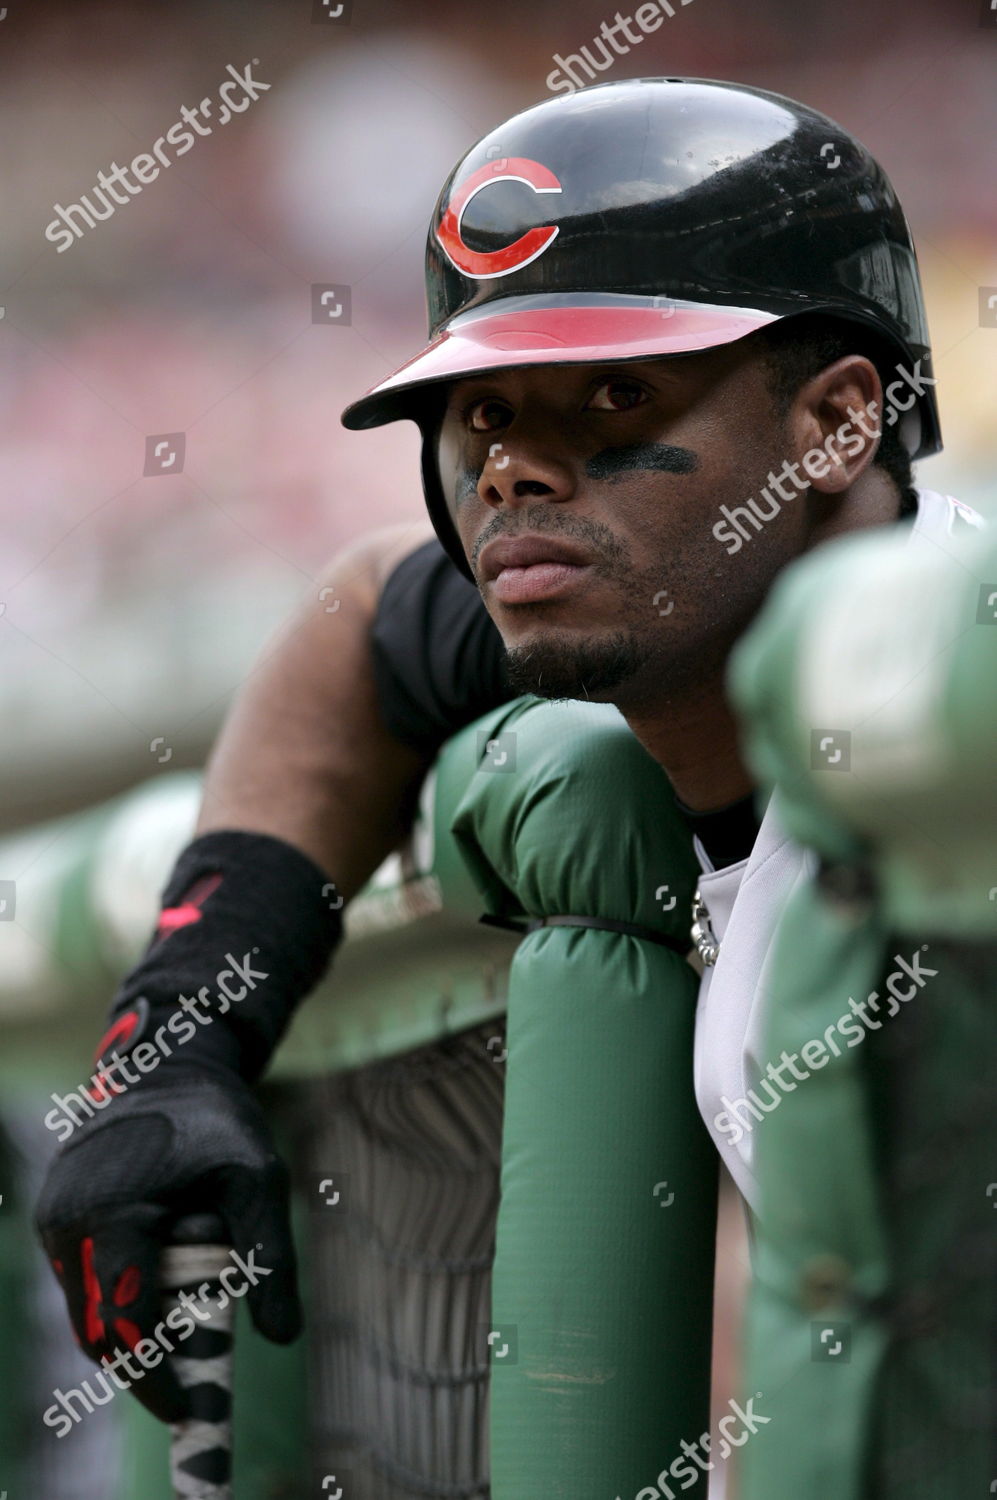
133	606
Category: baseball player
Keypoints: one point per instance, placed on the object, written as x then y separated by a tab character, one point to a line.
675	343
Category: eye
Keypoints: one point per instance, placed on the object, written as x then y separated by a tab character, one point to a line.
485	414
617	394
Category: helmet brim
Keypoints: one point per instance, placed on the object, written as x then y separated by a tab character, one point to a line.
568	329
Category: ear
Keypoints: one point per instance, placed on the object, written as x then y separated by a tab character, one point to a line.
835	423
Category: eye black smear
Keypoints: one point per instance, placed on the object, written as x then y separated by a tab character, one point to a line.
611	462
467	483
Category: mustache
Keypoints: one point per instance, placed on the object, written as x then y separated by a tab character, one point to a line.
607	464
601	542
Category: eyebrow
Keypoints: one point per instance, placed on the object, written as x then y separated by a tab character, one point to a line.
460	389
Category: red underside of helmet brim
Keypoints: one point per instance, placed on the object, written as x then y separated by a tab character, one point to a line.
476	342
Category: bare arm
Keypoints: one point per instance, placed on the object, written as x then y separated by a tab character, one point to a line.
303	754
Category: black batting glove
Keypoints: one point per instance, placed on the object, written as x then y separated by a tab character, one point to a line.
183	1140
169	1124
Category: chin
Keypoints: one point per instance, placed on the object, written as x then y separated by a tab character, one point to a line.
552	665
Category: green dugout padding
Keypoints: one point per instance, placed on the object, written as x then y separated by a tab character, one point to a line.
602	1284
815	1337
872	1324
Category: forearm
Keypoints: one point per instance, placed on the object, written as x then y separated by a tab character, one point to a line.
304	754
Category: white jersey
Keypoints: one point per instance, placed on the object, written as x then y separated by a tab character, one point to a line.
744	902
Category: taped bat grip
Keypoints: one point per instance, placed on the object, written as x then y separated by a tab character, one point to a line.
201	1446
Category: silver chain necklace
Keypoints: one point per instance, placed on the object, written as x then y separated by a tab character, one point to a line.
702	932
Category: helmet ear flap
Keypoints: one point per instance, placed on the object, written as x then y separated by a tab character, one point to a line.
430	420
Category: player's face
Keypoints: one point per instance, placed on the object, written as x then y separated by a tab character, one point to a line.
585	497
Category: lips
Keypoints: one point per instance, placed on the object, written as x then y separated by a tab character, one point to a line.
528	552
530	569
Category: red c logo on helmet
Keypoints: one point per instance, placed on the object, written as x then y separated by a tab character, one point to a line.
511	257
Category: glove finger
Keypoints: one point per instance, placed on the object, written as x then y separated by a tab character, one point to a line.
63	1248
257	1210
125	1277
90	1262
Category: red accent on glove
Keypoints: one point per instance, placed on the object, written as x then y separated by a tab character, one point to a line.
126	1292
93	1323
174	917
122	1031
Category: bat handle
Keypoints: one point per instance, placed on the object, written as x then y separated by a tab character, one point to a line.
201	1446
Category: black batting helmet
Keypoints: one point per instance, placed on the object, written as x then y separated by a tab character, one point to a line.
650	217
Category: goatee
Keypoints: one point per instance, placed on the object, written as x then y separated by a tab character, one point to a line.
553	667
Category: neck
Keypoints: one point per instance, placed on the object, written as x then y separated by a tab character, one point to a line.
696	744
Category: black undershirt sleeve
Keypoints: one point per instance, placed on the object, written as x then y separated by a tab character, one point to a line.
439	662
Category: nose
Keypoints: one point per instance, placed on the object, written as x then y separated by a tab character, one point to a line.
519	470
